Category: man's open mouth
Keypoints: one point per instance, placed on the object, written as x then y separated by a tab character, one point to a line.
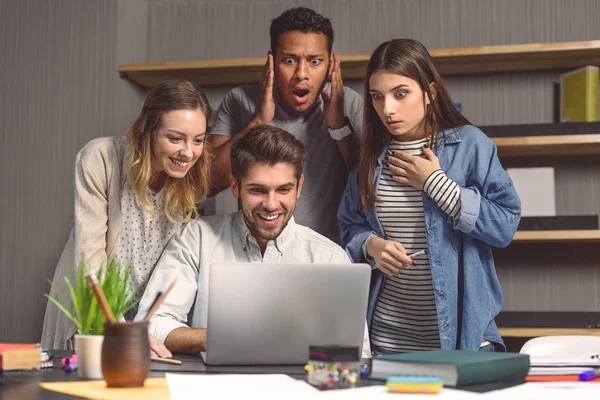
270	218
300	95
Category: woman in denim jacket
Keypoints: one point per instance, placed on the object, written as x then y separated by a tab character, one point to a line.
428	183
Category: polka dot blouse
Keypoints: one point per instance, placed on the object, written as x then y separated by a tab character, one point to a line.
143	236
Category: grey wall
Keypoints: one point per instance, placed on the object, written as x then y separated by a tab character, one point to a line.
59	88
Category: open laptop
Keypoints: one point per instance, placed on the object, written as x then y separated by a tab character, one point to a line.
261	314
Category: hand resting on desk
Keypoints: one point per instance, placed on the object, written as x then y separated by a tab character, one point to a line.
157	349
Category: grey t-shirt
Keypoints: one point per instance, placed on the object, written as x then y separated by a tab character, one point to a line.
325	174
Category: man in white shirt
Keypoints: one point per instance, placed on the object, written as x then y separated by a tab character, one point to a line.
266	178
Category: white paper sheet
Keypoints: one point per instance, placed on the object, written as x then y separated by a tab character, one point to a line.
548	391
564	361
242	386
557	370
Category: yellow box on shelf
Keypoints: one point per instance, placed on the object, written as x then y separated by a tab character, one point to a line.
579	95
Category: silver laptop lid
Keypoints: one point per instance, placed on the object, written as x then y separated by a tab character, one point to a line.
270	313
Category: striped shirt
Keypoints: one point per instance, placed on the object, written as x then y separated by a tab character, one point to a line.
405	315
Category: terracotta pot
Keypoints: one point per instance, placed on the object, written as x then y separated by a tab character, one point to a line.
125	354
89	354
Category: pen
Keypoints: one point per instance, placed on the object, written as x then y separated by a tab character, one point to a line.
589	375
110	317
165	360
419	253
158	302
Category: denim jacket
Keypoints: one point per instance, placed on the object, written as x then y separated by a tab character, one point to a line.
467	292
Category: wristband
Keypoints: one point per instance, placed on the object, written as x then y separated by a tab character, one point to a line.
339	134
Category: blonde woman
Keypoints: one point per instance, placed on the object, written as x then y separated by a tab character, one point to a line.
133	193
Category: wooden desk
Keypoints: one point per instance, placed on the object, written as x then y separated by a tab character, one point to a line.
25	384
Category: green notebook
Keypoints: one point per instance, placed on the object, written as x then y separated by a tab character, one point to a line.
455	367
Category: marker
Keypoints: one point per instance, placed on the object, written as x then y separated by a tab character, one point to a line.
69	360
70	368
589	375
364	370
419	253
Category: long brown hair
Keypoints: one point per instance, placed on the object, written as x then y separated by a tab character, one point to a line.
409	58
183	194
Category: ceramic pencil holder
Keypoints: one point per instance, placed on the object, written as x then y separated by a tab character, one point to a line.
125	354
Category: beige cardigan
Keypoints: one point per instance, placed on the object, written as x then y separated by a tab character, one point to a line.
100	174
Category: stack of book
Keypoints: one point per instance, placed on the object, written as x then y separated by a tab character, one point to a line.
455	367
18	356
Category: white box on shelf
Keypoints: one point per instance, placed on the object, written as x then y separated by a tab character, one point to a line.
535	187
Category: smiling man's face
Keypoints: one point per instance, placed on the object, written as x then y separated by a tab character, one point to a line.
301	64
267	196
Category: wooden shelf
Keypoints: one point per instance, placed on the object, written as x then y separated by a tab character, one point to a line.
532	146
450	61
536	332
556	236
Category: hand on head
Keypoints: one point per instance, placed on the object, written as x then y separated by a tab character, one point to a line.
333	103
265	106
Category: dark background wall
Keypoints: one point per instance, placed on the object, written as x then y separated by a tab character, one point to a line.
59	88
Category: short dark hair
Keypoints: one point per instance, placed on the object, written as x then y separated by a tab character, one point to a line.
266	144
303	20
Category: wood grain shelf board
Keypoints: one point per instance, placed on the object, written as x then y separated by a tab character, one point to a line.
557	236
536	332
531	146
449	61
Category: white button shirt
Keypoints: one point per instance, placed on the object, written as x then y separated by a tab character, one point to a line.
222	239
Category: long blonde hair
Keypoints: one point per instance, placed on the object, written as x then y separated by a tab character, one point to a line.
183	194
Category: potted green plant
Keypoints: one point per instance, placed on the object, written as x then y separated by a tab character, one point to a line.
86	314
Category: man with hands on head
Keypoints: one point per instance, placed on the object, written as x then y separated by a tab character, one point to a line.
294	95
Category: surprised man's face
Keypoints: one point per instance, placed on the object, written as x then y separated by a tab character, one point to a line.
301	64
